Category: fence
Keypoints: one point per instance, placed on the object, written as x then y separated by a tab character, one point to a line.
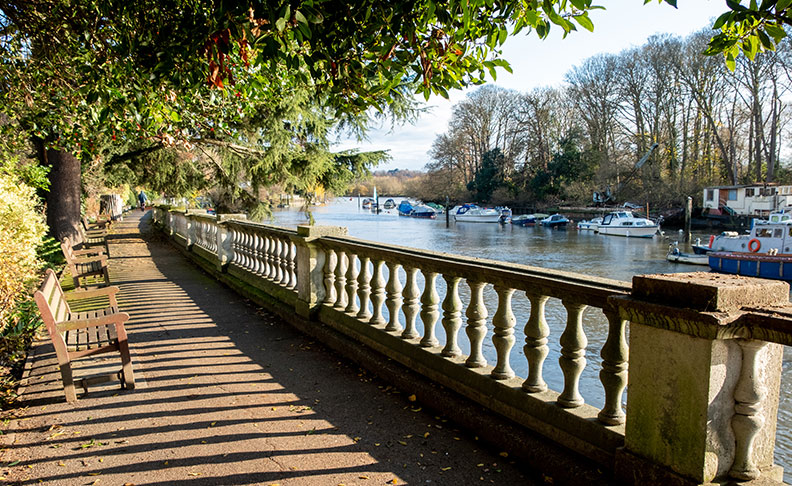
706	349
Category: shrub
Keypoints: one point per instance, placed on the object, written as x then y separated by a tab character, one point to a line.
21	232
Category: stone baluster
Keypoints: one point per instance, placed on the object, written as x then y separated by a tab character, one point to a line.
536	349
503	334
351	284
267	256
272	257
476	328
256	250
244	237
285	250
394	298
748	416
292	284
573	355
364	289
377	293
411	303
329	277
429	310
340	281
452	316
613	374
276	260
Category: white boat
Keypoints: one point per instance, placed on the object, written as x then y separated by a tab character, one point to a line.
676	256
764	236
471	213
624	223
592	224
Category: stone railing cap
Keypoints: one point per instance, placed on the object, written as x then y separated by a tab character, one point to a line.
318	231
709	292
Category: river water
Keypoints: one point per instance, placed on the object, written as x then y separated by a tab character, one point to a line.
569	250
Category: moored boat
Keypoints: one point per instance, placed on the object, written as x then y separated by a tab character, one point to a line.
777	266
528	219
555	221
404	208
591	224
764	236
676	256
423	211
389	204
472	213
624	223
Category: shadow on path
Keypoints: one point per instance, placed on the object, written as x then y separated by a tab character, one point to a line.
228	394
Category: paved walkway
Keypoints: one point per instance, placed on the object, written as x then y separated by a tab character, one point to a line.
227	394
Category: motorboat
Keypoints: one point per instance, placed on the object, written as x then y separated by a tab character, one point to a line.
367	203
472	213
764	236
773	265
389	204
528	219
404	208
555	221
590	225
624	223
423	211
676	256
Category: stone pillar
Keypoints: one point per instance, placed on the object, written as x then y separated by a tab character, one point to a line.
686	376
225	252
310	266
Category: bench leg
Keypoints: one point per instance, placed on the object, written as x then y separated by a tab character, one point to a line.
126	365
68	382
106	275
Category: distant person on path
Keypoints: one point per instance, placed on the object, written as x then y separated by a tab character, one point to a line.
143	200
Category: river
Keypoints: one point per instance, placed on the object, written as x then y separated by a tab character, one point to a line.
569	250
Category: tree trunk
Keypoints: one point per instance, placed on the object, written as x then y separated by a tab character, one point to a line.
63	198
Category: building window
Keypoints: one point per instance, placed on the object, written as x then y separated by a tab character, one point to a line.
732	194
710	194
749	192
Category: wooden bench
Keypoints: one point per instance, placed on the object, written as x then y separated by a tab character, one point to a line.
85	263
93	236
78	335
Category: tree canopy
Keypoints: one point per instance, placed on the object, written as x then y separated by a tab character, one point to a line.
113	80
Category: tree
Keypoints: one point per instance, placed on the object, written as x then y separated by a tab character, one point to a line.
81	76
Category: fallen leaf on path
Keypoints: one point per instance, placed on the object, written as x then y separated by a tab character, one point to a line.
412	398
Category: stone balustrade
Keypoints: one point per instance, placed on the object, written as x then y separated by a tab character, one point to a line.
704	359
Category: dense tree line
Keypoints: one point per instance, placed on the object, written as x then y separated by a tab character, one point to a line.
713	126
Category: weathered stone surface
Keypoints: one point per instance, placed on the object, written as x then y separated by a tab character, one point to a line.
307	231
710	292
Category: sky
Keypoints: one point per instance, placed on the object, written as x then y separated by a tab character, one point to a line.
543	63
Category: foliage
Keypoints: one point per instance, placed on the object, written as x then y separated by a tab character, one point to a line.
21	232
488	177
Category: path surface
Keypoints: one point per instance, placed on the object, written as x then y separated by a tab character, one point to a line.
227	394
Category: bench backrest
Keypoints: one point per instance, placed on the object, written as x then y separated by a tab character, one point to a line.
51	302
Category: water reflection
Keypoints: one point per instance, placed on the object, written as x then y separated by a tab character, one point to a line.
568	250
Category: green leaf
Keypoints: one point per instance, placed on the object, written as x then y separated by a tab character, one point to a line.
778	33
585	22
722	20
280	24
765	40
782	5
